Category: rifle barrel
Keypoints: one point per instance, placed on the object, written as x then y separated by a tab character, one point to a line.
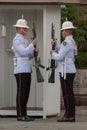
52	66
37	64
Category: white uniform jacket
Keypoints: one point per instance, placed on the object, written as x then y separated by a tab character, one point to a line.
65	50
23	52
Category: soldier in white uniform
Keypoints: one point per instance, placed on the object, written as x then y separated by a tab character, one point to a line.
65	55
23	52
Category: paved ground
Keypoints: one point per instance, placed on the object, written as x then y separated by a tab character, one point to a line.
50	123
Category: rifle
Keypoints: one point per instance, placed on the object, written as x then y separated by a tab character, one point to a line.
52	66
37	60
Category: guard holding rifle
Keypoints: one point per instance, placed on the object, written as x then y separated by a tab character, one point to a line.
64	54
23	52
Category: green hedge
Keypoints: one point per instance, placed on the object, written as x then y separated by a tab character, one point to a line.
76	15
81	60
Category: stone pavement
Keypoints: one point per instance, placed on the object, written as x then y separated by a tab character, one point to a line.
50	123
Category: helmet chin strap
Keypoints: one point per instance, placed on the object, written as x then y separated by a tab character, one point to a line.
24	31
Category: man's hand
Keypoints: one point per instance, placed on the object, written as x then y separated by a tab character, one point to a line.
53	42
34	42
36	49
52	51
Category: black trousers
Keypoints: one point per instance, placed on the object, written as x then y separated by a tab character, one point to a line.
68	94
23	89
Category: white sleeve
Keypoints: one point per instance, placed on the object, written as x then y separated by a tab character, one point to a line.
62	53
23	51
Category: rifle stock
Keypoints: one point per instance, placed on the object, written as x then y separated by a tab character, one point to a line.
37	62
39	76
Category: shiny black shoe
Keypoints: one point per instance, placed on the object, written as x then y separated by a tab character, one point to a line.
29	118
25	118
66	119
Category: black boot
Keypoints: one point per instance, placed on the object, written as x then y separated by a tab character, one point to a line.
66	119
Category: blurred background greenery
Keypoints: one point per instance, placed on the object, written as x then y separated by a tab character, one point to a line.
78	15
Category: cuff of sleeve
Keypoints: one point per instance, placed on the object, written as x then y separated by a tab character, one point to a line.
53	55
32	46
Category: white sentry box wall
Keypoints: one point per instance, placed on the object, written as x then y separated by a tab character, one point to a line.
42	95
51	92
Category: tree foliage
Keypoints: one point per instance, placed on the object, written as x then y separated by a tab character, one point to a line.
78	15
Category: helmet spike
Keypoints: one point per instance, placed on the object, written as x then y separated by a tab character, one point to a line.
22	16
66	18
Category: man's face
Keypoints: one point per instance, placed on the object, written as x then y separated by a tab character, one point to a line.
63	33
66	32
23	31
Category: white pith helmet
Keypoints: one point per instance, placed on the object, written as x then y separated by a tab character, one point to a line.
67	25
22	23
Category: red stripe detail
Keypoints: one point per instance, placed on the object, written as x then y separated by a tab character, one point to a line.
67	99
19	102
